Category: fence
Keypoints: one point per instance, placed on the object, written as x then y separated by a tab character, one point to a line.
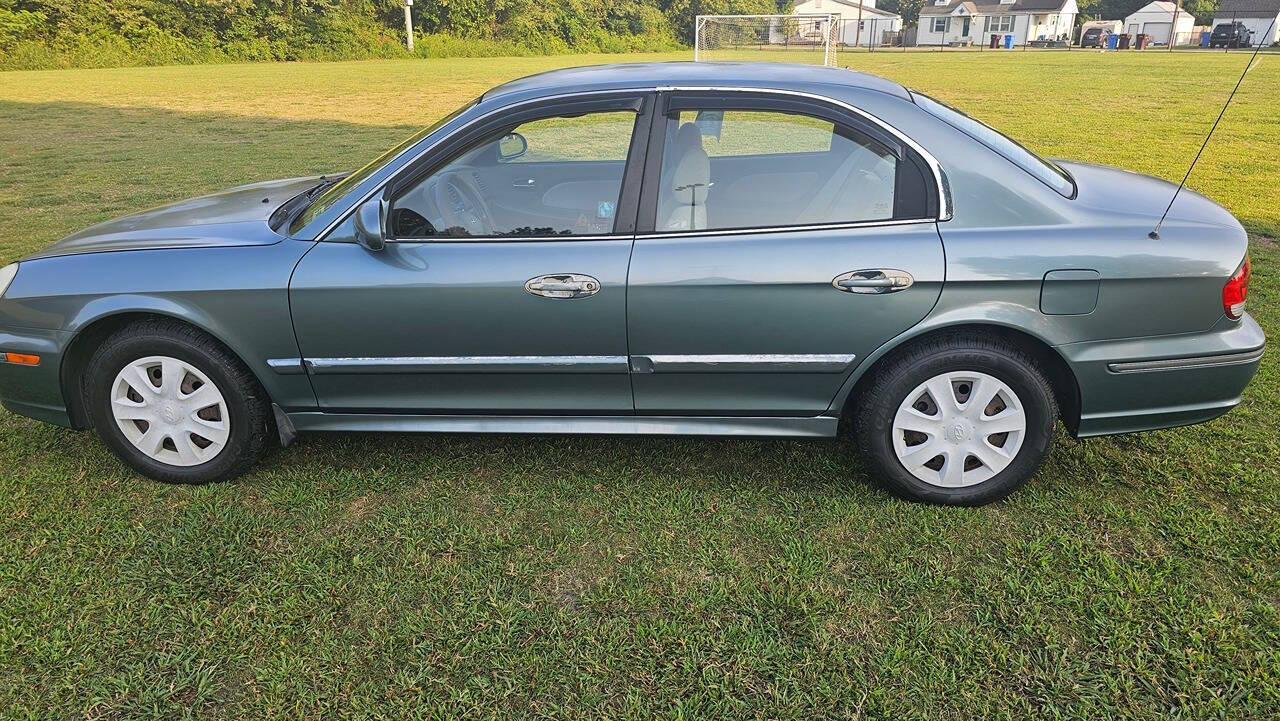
803	40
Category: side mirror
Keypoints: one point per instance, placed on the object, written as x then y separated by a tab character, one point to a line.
368	220
512	146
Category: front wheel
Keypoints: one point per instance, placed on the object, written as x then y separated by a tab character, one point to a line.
176	405
963	419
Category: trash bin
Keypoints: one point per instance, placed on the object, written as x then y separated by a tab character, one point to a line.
1141	42
1124	41
1008	42
1204	39
1113	41
995	41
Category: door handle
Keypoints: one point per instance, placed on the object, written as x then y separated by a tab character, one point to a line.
873	280
526	183
563	285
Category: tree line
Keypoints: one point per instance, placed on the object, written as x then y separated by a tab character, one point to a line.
51	33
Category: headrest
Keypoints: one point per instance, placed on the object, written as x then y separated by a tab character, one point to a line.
689	136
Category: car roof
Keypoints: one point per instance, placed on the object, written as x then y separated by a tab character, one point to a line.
778	76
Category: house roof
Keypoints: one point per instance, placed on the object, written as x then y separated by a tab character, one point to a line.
1248	8
993	7
1161	6
851	5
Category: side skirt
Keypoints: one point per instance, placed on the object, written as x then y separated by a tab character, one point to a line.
816	427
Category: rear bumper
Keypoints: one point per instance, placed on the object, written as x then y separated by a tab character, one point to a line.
34	391
1142	384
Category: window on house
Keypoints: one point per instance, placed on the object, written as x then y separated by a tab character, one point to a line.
940	24
1000	23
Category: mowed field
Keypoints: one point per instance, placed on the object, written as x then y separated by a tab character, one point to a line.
504	577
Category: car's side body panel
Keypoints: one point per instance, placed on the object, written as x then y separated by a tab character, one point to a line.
238	295
755	321
452	306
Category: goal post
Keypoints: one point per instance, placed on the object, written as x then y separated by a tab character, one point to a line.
799	37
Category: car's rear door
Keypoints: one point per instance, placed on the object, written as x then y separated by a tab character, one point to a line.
487	299
781	240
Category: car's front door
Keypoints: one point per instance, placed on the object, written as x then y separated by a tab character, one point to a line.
781	242
502	287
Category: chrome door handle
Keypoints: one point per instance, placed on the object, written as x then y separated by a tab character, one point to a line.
874	280
563	285
526	183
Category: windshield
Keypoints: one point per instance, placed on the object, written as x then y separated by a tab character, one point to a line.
1044	171
325	200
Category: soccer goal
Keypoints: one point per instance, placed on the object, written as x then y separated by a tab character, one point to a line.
799	38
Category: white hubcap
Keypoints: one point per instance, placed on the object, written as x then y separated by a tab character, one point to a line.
170	411
959	429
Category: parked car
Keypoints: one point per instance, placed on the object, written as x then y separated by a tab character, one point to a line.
1094	38
686	248
1231	35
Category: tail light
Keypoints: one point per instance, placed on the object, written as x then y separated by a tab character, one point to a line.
1236	291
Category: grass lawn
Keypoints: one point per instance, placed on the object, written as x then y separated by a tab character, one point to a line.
406	576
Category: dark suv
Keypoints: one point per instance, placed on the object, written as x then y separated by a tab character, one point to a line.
1231	35
1094	38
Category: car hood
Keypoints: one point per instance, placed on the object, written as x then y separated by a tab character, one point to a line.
237	216
1122	192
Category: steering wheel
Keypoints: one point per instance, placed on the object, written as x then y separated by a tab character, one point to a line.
462	205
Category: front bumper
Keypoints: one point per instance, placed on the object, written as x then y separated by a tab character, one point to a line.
34	391
1142	384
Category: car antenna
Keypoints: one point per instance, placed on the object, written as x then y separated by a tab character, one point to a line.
1155	232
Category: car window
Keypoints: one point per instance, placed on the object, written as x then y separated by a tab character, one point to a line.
1043	170
755	169
547	177
598	136
335	192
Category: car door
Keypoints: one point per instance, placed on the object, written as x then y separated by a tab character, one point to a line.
487	298
781	241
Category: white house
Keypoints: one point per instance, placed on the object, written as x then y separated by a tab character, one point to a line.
1157	20
1255	14
963	22
861	24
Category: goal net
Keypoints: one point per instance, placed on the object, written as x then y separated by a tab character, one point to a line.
799	38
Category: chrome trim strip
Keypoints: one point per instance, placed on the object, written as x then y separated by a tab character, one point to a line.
1178	364
744	363
782	228
750	426
470	364
945	209
509	239
286	366
944	198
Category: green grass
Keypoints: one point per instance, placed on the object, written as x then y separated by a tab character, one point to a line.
436	576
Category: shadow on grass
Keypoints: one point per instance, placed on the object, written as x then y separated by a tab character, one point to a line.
69	165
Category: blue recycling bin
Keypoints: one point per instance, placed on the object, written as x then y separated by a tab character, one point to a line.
1008	42
1113	41
1204	39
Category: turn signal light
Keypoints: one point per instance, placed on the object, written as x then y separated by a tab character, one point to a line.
22	359
1236	291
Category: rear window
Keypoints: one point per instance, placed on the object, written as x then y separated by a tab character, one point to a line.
1043	170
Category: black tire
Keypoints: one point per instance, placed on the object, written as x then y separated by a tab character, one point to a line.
899	374
247	404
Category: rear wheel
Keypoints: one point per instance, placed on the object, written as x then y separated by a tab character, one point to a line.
175	405
962	419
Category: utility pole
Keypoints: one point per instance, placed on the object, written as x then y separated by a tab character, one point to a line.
1173	31
408	23
857	33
